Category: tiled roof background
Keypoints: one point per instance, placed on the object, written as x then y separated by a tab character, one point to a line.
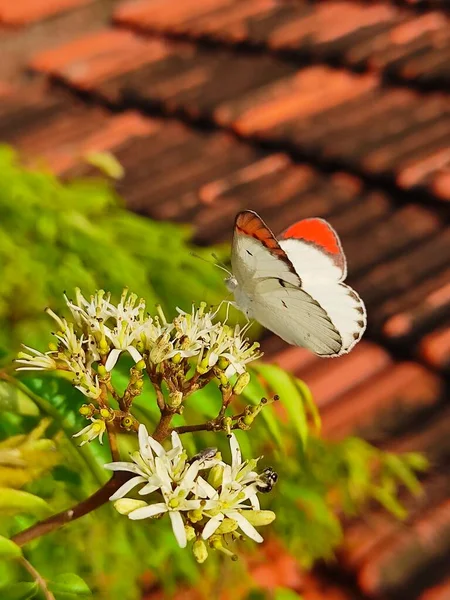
334	108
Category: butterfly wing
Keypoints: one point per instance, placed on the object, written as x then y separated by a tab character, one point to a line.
314	249
270	290
256	253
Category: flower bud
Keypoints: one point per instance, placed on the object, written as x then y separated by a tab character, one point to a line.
223	363
125	506
200	551
127	422
258	518
87	410
107	414
177	358
102	371
175	399
195	515
215	476
140	365
241	383
227	526
190	532
203	366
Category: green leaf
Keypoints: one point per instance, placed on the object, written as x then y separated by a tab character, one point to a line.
283	384
399	467
14	502
19	591
8	549
69	585
253	394
107	163
16	401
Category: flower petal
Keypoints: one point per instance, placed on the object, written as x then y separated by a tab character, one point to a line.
135	354
149	489
156	446
205	490
178	528
176	441
211	526
144	446
124	466
148	511
126	487
236	456
112	359
245	526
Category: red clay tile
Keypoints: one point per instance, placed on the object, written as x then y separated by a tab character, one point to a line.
401	273
409	551
328	380
91	59
438	592
435	348
381	404
26	11
441	185
417	310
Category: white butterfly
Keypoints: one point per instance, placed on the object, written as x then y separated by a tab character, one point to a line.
294	286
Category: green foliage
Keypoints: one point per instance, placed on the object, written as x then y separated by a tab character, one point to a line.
55	236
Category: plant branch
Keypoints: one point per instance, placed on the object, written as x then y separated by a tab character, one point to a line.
38	578
101	496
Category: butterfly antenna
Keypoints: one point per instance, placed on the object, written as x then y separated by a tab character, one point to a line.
217	264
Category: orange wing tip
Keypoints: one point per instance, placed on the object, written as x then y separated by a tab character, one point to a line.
317	232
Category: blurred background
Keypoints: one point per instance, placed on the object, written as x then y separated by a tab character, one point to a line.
163	118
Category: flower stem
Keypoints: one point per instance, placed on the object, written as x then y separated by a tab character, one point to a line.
38	578
101	496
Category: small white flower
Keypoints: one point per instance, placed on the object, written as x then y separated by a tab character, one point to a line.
33	360
237	494
98	309
95	429
240	352
122	337
143	466
175	502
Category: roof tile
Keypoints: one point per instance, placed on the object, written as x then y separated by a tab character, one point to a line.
27	11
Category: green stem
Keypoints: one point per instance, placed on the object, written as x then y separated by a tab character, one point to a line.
38	578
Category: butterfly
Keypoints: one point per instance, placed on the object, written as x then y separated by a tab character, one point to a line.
294	286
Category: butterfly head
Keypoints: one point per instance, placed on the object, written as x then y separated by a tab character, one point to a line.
231	283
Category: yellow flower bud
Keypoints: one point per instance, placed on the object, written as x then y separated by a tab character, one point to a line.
258	518
200	551
190	532
227	526
102	371
140	365
175	399
125	506
215	476
223	363
241	383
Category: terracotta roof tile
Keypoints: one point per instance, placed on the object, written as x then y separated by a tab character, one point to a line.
435	348
382	36
27	11
377	407
411	550
438	592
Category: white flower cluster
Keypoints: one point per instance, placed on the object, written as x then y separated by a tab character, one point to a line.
99	331
206	499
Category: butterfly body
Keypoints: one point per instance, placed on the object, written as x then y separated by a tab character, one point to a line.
294	286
